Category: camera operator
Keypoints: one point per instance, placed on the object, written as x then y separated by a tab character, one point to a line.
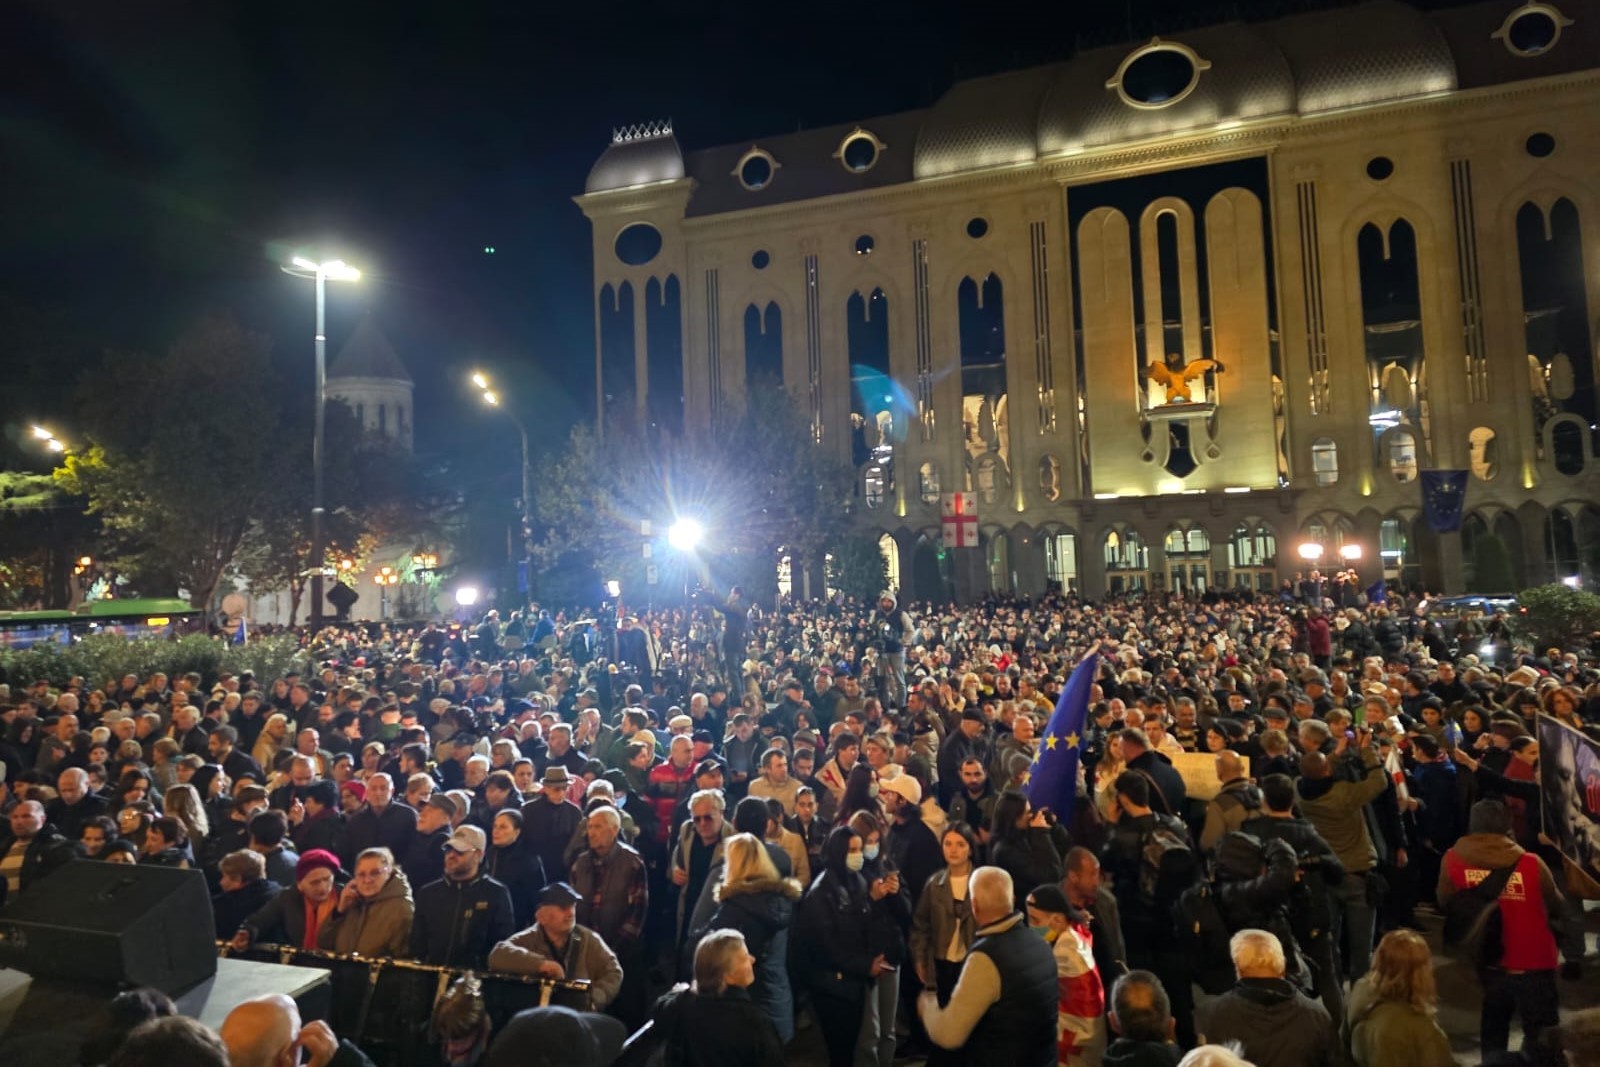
889	631
735	611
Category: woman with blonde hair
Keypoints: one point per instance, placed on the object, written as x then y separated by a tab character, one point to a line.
182	802
1390	1015
274	737
753	900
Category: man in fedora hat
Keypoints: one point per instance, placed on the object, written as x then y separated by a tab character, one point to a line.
549	820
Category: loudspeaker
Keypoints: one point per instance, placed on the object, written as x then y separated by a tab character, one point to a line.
113	924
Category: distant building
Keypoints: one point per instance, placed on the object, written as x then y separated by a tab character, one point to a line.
1245	284
369	377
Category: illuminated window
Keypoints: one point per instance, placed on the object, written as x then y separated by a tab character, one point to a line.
928	483
1325	460
1403	456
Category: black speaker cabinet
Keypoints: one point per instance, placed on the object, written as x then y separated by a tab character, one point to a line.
111	924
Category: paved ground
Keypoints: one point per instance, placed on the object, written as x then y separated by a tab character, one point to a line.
1458	994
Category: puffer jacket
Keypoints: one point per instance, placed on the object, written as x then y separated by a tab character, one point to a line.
1277	1024
376	926
763	911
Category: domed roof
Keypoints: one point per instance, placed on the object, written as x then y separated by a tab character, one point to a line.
985	122
1363	55
368	354
1237	75
637	155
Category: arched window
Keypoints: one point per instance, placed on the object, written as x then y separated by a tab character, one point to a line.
1325	460
928	483
990	478
1403	456
1566	442
1191	542
383	418
891	559
1127	561
785	573
874	483
1484	453
1061	560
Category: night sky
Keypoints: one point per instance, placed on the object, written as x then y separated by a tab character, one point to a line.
158	158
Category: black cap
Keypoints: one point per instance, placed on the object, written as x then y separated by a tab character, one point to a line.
707	766
703	737
1049	898
560	894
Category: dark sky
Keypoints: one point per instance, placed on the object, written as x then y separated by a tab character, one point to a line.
158	158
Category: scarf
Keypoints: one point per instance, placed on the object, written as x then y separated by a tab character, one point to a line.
315	914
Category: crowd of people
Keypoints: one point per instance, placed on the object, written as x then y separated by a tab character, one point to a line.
740	824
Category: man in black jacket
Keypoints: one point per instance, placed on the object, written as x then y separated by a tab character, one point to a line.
380	822
74	805
466	913
1141	1018
1274	1022
1310	905
910	844
1168	795
32	850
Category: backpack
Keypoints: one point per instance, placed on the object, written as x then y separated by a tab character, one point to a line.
1167	864
1203	938
1472	921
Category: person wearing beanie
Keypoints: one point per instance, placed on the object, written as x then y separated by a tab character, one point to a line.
889	631
295	916
557	1037
1080	1010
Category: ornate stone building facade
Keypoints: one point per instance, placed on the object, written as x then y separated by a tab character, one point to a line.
1180	313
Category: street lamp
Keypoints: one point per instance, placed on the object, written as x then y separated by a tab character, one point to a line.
1310	551
339	271
385	577
487	394
1350	553
50	440
685	534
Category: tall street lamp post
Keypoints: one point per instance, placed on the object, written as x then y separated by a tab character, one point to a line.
339	271
489	396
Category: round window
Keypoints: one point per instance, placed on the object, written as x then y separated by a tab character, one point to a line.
865	244
1532	29
977	227
756	169
859	153
1532	32
760	260
1379	168
1159	74
638	244
1540	145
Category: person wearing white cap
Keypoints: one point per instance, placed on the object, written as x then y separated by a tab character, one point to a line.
466	913
910	844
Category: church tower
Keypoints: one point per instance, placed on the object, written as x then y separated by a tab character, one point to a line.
368	376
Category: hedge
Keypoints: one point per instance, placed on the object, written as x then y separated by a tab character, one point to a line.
99	658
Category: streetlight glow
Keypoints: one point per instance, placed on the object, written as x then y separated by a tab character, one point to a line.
43	434
1350	552
467	595
1310	550
491	398
685	534
480	380
55	445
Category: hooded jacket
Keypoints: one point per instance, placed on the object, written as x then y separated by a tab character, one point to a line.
1334	807
763	910
1125	1053
1277	1024
1526	934
379	926
1234	803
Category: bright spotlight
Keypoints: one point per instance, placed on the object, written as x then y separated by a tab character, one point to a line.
685	535
1350	552
1310	551
479	380
42	434
467	595
613	588
55	445
491	398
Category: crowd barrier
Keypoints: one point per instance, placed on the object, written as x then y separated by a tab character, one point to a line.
385	1004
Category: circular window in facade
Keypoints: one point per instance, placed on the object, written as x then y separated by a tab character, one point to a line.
1379	168
1158	75
1540	145
859	151
638	244
756	169
865	244
1532	29
977	226
760	260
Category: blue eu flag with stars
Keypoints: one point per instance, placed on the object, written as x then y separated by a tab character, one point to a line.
1444	495
1052	781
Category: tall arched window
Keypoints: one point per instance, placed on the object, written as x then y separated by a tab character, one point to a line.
1325	460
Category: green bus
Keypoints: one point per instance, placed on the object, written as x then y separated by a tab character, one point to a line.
152	617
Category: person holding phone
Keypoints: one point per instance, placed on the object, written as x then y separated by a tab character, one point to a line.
891	921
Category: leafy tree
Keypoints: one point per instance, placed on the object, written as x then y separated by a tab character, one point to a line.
182	457
858	568
1558	616
757	483
41	530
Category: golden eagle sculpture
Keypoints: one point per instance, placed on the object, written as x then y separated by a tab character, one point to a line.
1174	376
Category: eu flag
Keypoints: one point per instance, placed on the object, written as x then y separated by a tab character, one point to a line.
241	633
1444	495
1052	781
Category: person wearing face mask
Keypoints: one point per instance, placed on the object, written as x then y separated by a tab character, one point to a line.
891	920
830	945
1080	1015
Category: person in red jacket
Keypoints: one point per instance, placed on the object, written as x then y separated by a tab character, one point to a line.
1524	981
1319	638
668	782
